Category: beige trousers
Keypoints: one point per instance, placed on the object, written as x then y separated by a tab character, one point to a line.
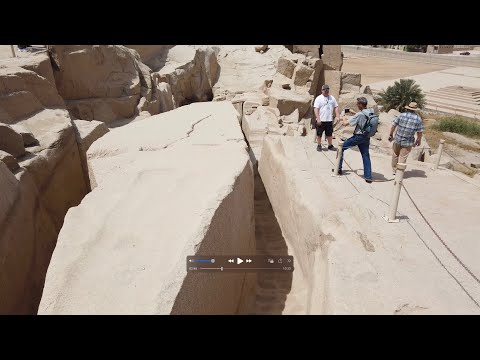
400	154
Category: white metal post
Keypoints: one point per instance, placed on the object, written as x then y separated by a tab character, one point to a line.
339	156
13	51
397	187
439	153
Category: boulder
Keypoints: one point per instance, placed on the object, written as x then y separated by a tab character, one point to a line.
153	56
286	67
365	89
10	141
27	136
191	74
196	160
333	79
332	57
291	118
23	93
107	110
249	107
94	71
394	112
101	82
261	48
287	101
302	75
351	79
317	66
9	160
349	100
308	50
39	63
348	88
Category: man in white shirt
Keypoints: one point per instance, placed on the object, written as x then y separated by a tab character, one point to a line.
323	107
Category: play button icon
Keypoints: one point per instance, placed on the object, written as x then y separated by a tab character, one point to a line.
239	261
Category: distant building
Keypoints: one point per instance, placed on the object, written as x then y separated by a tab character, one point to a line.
440	49
447	49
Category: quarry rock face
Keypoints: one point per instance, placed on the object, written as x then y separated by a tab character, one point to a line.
36	197
86	133
10	141
348	260
195	160
9	160
191	72
332	57
98	82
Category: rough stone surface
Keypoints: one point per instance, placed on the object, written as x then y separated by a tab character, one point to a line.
8	160
10	141
101	82
98	71
317	66
23	93
27	136
332	57
191	73
365	89
291	118
351	78
302	75
86	133
286	67
165	97
308	50
287	101
348	261
349	100
34	200
38	63
394	112
50	182
261	48
197	162
333	79
153	56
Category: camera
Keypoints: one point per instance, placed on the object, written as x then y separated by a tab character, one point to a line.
347	110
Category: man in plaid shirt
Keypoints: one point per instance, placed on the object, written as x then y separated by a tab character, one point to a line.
407	124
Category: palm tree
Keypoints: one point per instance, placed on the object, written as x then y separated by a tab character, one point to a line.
400	94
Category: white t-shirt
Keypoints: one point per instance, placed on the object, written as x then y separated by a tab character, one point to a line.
326	106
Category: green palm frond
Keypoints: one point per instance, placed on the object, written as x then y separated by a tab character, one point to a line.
400	94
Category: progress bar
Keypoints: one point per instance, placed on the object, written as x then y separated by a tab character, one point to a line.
240	263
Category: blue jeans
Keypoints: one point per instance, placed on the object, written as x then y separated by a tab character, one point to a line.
363	144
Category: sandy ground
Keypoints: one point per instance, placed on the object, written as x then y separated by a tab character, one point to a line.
376	69
434	80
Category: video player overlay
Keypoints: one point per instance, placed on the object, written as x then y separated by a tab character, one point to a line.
240	263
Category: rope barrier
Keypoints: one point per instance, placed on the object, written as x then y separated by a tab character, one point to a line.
439	237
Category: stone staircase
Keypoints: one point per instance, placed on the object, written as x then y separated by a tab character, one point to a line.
458	100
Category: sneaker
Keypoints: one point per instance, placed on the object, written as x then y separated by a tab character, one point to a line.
319	147
340	172
369	181
331	147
